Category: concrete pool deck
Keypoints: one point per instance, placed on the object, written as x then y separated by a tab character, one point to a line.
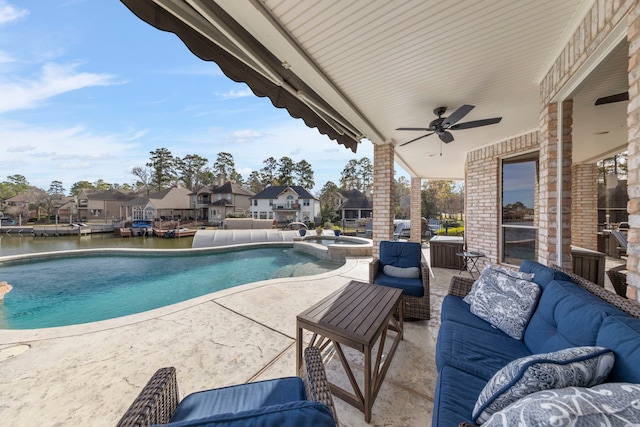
89	374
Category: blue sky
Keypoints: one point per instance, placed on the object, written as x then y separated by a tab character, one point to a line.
87	90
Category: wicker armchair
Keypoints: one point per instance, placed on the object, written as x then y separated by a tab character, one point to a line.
158	400
414	307
618	280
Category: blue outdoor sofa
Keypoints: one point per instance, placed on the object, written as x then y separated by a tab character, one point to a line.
567	314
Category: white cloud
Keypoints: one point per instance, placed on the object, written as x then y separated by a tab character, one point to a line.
54	79
9	13
243	135
232	94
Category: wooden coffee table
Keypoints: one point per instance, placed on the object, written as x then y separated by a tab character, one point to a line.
355	316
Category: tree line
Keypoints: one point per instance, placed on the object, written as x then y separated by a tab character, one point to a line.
193	172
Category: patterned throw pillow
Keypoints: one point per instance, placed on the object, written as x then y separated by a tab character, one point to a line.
504	301
571	367
609	404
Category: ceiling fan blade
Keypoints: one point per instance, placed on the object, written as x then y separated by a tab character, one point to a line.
421	129
446	137
624	96
457	115
420	137
476	123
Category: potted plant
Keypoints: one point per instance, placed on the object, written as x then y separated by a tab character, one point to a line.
319	231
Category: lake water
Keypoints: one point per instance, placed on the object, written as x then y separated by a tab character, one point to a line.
14	245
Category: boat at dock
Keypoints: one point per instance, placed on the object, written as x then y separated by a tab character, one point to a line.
174	232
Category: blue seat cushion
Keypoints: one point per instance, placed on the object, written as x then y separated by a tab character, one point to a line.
542	274
621	334
239	398
411	287
475	351
454	309
400	254
292	414
455	396
567	316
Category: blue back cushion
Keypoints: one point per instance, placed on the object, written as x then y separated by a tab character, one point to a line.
239	398
567	316
292	414
542	274
400	254
621	334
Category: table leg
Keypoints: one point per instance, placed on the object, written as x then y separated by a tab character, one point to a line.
368	388
298	347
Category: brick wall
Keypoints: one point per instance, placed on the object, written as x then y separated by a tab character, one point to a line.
482	194
584	206
633	159
416	210
383	192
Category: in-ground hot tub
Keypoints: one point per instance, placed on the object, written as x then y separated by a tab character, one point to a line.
333	247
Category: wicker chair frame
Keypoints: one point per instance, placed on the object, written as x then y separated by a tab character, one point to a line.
158	400
618	280
461	286
414	307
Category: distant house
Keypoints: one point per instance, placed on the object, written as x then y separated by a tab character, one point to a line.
101	205
213	204
169	204
354	204
285	204
17	206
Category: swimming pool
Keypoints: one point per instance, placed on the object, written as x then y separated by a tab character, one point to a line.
82	289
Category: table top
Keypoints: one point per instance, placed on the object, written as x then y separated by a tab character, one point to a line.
354	315
470	254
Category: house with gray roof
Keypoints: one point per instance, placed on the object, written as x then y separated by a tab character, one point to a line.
214	203
169	204
354	205
285	204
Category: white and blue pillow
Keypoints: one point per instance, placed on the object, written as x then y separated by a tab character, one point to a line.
505	301
571	367
609	404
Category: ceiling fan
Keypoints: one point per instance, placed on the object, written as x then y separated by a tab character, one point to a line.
442	125
624	96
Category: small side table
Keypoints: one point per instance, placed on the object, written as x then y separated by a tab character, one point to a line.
470	260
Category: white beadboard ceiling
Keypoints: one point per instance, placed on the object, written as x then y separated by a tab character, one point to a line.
388	64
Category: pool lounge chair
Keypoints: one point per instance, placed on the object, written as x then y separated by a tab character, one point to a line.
283	401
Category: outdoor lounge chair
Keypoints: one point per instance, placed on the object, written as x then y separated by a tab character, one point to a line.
622	242
618	280
398	259
288	401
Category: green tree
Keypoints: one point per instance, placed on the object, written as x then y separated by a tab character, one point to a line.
14	185
329	201
286	168
102	185
254	182
304	174
162	164
402	189
267	173
192	171
357	175
224	166
79	185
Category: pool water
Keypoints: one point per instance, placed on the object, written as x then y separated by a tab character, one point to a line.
75	290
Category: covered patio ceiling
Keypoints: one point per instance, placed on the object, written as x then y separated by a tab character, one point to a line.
364	68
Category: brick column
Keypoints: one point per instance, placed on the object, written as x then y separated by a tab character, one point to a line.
633	159
383	189
416	210
550	244
584	206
